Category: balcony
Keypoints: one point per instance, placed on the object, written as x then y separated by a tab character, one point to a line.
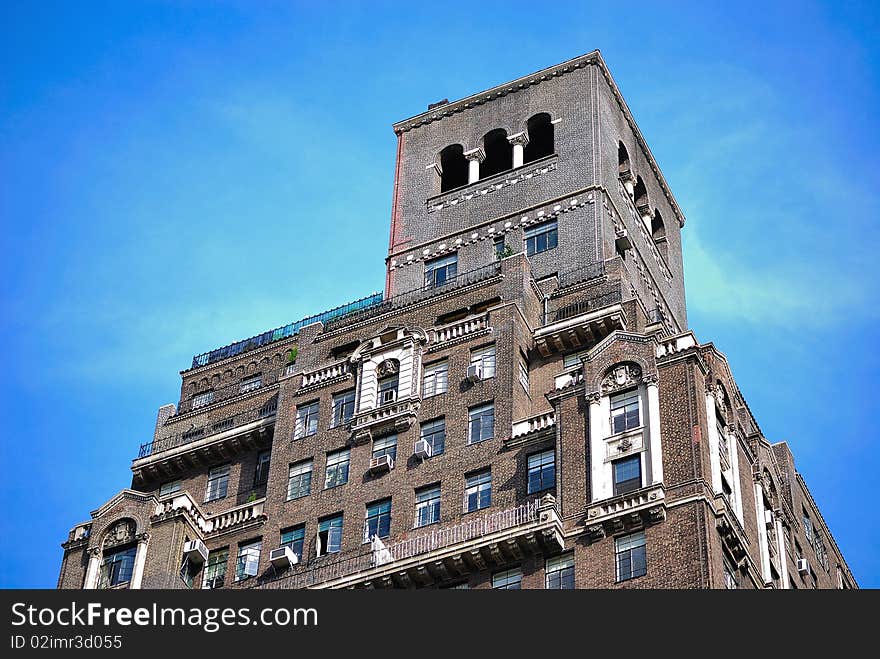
532	428
235	519
329	374
438	555
630	511
440	337
398	416
581	325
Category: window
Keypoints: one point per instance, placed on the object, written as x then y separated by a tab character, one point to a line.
294	538
188	571
436	379
540	130
434	432
722	440
627	474
117	566
385	446
441	271
481	425
485	357
218	483
329	535
573	360
378	522
427	505
541	238
625	414
299	480
501	248
808	528
730	581
524	375
248	563
169	488
559	572
343	408
200	400
507	580
261	473
631	559
215	569
453	168
250	384
337	468
499	153
306	420
478	491
542	471
388	389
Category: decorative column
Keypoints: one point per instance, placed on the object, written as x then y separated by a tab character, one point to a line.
519	141
600	430
733	456
140	559
474	158
93	569
714	457
655	446
763	548
780	548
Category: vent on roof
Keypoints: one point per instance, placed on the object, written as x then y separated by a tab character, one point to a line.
431	106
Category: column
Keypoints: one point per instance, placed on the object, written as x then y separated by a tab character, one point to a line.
140	559
780	548
519	141
733	445
655	447
474	158
600	430
714	458
763	549
93	569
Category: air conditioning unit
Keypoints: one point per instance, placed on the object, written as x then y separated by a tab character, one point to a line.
195	551
803	566
475	372
387	396
381	463
423	449
768	517
282	558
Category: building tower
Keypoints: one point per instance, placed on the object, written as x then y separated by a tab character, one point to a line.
523	406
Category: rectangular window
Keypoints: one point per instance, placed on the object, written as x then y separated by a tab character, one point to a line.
541	238
722	441
299	480
388	390
337	468
248	563
200	400
434	432
485	357
730	581
343	408
250	384
116	568
329	535
542	471
169	488
559	572
507	580
625	414
436	379
631	558
385	446
478	491
808	528
215	569
573	360
261	473
378	522
441	271
481	424
306	420
427	505
294	538
627	474
500	247
524	375
218	483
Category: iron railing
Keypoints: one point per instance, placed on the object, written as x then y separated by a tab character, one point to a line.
194	434
584	306
585	273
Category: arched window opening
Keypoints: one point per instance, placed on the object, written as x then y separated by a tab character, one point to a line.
540	130
640	196
658	232
499	153
454	168
624	169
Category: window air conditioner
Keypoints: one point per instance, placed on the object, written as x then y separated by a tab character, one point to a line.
195	551
423	449
387	396
803	566
475	372
381	463
282	558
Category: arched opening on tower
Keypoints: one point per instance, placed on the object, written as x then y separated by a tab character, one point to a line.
453	167
499	153
624	169
540	130
658	232
640	195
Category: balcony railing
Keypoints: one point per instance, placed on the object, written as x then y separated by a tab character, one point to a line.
584	306
242	515
194	434
324	374
460	280
458	329
586	273
533	424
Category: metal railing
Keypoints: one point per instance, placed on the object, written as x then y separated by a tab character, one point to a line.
584	306
586	273
460	280
194	434
283	332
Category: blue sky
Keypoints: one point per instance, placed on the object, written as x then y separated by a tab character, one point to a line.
175	176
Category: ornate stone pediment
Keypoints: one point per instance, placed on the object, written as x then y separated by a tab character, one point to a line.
120	533
622	376
388	367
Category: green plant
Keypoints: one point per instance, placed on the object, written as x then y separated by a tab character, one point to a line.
291	354
251	497
505	252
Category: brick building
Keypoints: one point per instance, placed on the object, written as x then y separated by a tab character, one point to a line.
523	406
